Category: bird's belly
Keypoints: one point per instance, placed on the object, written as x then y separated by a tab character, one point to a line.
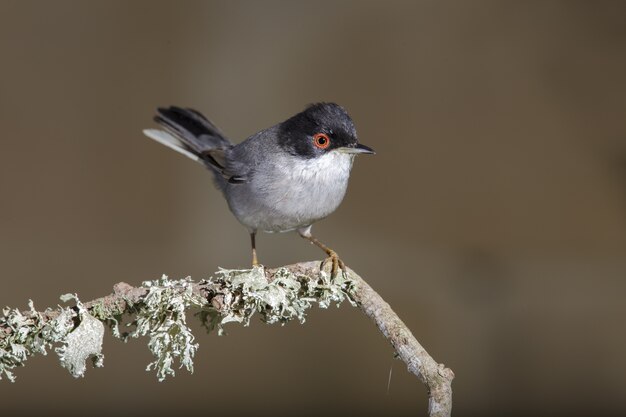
284	201
284	209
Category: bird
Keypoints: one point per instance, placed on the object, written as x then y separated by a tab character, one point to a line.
280	179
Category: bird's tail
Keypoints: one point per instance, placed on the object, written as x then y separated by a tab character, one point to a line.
190	133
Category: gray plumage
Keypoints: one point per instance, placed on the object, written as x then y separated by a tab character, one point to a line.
283	192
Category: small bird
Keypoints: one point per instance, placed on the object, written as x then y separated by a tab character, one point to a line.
282	178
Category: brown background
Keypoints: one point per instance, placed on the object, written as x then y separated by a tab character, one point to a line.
493	218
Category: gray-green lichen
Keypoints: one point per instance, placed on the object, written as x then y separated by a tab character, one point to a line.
241	293
81	343
159	313
28	333
162	318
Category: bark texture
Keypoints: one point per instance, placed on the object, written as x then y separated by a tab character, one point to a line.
436	377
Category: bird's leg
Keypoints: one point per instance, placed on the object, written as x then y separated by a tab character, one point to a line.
337	263
255	261
332	255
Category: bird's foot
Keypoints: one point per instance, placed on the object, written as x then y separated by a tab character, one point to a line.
255	260
336	264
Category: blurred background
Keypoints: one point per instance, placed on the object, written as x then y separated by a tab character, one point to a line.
492	219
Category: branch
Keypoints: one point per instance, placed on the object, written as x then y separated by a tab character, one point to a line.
158	309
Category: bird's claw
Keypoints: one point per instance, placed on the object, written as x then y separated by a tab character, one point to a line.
336	264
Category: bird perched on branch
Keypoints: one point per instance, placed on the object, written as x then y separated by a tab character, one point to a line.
282	178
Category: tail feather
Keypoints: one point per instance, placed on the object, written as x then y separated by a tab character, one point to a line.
167	139
192	128
188	132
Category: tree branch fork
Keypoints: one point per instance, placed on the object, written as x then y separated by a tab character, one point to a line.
158	311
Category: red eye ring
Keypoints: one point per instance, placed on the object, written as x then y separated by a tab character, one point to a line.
321	140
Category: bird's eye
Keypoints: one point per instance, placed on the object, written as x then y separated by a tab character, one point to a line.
321	140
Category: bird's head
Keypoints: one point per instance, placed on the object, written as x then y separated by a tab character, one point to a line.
320	129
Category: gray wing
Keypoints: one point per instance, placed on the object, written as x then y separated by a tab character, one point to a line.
245	158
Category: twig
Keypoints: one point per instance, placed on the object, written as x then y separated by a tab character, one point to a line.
435	376
278	295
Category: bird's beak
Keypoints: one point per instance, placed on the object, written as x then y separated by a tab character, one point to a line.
356	149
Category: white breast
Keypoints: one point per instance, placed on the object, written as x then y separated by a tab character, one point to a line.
293	192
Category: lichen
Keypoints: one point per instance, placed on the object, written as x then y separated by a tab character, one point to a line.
242	293
160	315
162	318
28	333
81	343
